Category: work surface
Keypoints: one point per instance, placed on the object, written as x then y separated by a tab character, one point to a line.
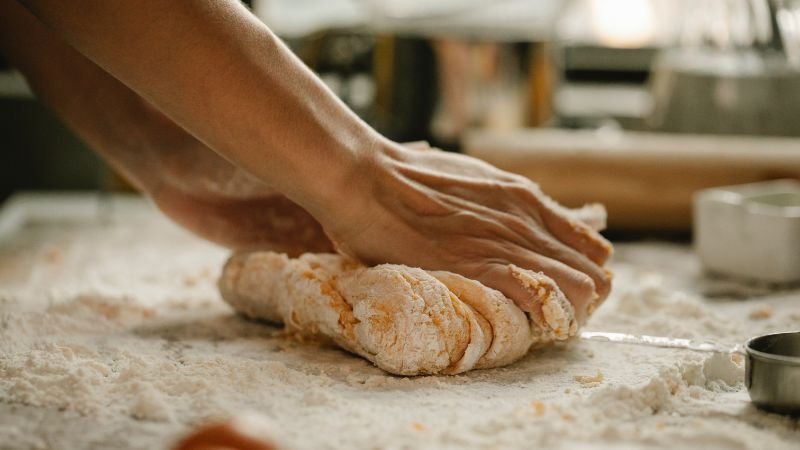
113	336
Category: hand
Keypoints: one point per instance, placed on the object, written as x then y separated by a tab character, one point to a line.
444	211
220	202
269	222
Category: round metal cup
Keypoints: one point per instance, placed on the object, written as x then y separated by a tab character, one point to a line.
772	372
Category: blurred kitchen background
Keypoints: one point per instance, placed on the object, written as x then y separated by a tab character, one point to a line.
634	103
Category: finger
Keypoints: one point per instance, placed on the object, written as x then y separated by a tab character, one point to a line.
579	288
559	251
593	215
557	313
575	234
532	293
590	309
576	286
578	235
529	234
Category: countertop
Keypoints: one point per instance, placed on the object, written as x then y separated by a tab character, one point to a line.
113	336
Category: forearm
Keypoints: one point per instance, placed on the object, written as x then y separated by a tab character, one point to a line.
220	73
108	116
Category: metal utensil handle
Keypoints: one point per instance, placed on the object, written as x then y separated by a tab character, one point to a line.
659	341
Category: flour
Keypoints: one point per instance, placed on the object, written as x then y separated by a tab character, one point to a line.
652	306
113	336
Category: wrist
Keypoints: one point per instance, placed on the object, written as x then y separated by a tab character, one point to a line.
334	184
346	202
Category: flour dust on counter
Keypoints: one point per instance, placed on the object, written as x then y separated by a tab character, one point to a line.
113	335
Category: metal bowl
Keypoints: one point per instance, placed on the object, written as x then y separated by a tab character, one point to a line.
772	372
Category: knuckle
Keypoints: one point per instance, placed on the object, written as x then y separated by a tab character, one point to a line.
586	286
520	187
517	224
604	286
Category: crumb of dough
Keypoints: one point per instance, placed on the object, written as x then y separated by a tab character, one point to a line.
590	380
418	426
538	408
764	312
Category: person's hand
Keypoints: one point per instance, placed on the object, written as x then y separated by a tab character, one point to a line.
267	222
444	211
222	203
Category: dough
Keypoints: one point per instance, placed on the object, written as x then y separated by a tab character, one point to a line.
407	321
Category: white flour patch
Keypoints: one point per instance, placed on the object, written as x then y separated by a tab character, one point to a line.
113	336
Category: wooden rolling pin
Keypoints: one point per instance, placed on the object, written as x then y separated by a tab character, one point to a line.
646	180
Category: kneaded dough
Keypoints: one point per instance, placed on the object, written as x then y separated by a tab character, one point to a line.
406	320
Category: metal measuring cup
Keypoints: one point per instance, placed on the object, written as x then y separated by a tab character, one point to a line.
772	363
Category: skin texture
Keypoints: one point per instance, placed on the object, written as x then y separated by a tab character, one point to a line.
210	114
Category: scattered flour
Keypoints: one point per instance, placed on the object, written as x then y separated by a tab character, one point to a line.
112	335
